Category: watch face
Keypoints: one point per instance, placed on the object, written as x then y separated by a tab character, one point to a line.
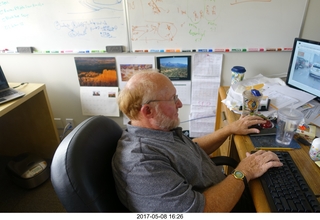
239	174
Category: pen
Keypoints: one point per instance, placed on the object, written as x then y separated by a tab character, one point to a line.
274	148
224	118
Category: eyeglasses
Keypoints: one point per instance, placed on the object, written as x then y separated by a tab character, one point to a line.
175	100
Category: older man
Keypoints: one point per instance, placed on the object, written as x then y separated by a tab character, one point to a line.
158	169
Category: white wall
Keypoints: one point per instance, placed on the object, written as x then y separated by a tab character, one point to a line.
58	72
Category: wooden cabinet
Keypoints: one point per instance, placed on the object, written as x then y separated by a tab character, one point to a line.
27	124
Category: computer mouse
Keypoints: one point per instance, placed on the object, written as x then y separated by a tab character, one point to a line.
256	126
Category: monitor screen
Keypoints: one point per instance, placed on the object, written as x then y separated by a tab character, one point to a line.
304	68
175	67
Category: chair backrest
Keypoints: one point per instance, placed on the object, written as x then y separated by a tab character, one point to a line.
81	171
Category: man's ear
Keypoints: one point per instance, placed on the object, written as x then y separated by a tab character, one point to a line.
147	111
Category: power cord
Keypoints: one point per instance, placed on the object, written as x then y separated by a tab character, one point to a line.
194	119
20	85
67	128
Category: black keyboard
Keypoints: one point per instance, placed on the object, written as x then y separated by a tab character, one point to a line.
286	189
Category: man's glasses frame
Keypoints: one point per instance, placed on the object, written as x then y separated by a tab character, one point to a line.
175	99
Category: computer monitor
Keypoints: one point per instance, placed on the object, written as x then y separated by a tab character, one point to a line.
304	67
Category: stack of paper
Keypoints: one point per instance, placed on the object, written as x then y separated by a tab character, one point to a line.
279	93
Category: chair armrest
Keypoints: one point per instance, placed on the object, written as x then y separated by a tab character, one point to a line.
224	160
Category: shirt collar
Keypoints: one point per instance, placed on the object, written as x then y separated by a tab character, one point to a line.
155	134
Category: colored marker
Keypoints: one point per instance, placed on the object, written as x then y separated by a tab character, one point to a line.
138	51
210	50
186	50
162	51
236	50
170	50
202	50
154	50
253	49
54	51
68	51
227	50
261	49
10	51
95	51
83	51
271	49
287	49
218	50
178	50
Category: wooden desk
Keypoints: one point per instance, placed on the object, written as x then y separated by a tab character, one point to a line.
243	144
27	124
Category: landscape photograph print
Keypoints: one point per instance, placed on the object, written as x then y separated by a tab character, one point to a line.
97	71
175	67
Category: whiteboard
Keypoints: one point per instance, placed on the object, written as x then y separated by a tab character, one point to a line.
63	25
196	24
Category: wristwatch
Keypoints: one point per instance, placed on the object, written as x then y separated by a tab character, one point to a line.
237	174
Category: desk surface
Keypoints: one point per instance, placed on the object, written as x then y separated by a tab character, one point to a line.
307	167
29	89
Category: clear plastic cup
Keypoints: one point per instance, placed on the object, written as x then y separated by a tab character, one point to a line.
287	124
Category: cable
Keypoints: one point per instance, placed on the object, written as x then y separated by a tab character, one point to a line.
210	116
20	85
66	128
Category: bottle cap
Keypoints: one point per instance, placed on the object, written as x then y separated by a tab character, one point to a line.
255	92
238	69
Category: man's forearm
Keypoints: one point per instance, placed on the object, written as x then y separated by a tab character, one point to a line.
211	142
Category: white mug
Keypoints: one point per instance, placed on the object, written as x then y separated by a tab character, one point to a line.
314	151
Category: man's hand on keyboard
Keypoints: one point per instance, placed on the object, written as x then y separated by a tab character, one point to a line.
256	164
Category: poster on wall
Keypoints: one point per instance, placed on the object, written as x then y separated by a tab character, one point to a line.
128	65
98	85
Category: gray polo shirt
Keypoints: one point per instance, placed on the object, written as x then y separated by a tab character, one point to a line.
158	171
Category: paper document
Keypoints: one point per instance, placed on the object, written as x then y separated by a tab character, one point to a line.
312	115
205	84
99	101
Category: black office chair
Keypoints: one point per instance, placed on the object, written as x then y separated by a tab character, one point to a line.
81	171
